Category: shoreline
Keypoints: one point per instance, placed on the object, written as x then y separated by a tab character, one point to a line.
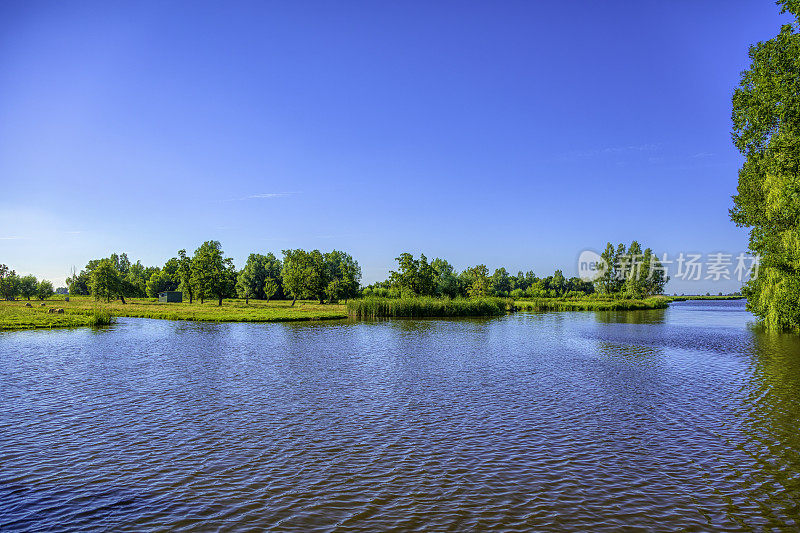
81	311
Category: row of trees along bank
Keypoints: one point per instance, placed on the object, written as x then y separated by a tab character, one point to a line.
209	274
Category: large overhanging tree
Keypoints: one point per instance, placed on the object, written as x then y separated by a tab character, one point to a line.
766	129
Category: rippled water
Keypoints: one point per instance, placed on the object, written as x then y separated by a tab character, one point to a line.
682	418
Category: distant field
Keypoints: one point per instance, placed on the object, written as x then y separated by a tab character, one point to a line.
698	297
82	311
590	304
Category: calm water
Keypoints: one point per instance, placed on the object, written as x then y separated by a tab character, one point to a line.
675	419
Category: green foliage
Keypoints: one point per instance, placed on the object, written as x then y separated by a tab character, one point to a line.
344	275
425	307
766	130
501	282
162	280
630	272
270	288
414	277
259	268
105	281
9	283
445	280
304	274
184	273
213	275
480	285
44	290
27	286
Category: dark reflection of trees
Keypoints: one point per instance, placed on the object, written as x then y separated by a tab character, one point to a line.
770	412
649	316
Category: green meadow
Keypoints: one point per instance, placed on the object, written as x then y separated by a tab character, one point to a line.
85	310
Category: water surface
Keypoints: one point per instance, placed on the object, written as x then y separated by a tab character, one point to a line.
677	419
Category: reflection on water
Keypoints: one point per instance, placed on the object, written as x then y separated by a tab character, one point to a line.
676	419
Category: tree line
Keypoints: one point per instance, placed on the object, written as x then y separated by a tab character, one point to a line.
13	285
209	274
629	273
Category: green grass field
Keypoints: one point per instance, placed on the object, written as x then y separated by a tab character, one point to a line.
84	311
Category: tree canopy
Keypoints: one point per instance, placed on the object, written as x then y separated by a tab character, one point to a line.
766	130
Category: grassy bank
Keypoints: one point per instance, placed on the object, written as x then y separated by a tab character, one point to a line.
15	315
698	297
590	304
425	307
80	311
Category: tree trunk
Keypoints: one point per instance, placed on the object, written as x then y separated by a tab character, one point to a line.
190	297
220	300
121	297
247	300
293	301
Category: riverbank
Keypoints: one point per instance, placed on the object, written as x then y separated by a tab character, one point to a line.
683	298
374	307
82	311
86	311
591	304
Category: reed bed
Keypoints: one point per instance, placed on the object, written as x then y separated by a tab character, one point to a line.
423	307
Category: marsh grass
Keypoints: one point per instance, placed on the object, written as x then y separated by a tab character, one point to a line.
424	307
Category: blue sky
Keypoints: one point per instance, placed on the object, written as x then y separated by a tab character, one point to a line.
513	134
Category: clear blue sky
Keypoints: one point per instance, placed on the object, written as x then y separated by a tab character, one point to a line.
513	134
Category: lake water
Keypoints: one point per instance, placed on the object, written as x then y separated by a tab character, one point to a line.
683	418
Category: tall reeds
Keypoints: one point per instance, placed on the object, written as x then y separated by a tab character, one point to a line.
424	307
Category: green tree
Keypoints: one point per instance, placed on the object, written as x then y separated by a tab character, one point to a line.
270	288
445	279
44	290
413	277
213	275
184	272
78	283
481	283
160	281
27	286
344	275
106	281
9	283
250	281
304	274
501	282
766	130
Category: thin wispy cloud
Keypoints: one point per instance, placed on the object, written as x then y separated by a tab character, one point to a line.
702	155
263	196
13	238
612	150
269	195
